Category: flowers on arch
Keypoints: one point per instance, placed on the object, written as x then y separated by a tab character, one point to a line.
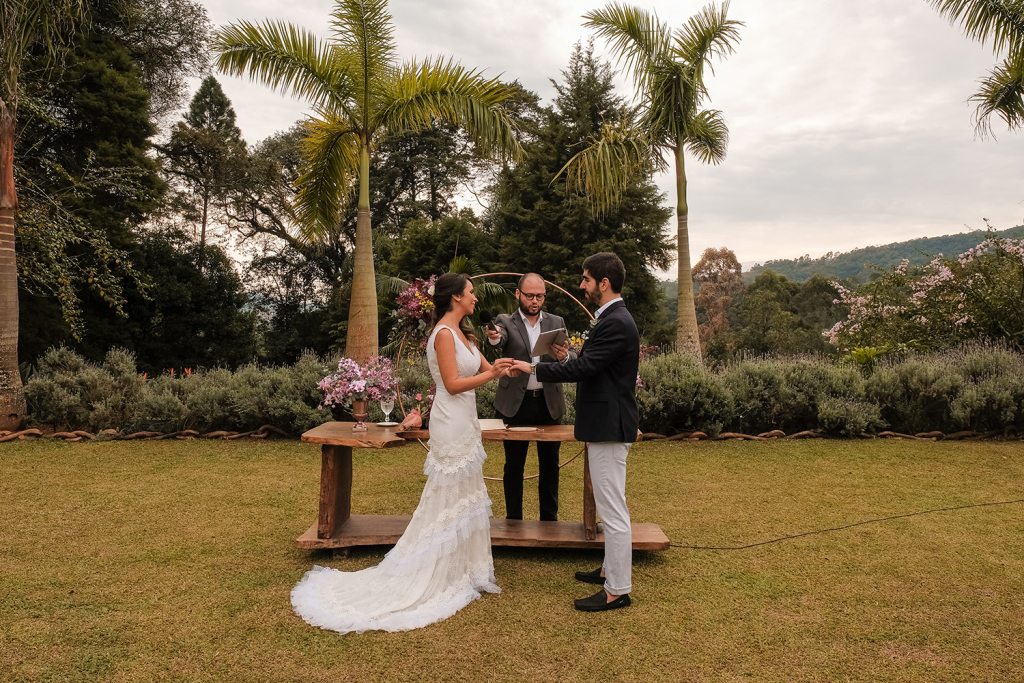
415	308
374	381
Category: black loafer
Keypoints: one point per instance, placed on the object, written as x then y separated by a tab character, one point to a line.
591	577
599	602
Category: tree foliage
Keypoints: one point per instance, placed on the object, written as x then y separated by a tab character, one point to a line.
667	67
205	156
539	226
977	295
360	92
721	283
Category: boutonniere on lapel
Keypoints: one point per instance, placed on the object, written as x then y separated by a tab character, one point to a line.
594	322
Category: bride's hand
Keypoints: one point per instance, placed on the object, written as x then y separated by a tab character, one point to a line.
499	368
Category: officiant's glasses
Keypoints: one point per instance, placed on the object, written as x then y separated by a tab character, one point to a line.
533	297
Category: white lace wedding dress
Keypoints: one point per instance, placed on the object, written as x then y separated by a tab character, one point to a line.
443	560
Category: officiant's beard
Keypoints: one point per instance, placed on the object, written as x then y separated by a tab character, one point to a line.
527	307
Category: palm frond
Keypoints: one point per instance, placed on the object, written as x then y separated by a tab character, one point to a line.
442	89
494	296
637	37
364	30
999	21
25	23
610	164
286	58
707	35
464	265
1002	93
708	138
388	285
673	98
326	183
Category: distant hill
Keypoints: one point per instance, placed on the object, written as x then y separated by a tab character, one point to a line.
857	263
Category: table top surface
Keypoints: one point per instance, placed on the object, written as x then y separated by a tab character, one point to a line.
341	434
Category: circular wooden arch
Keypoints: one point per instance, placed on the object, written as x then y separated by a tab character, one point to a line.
475	277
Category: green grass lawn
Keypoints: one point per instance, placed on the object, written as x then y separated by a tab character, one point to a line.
173	561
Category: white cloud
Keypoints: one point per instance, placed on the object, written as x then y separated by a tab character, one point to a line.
849	121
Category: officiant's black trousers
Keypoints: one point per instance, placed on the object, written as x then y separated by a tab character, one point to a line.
532	411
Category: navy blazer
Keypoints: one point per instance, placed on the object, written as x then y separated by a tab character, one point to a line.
605	376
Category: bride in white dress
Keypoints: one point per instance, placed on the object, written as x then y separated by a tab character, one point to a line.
443	560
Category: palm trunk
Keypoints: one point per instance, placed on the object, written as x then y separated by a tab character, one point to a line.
687	332
361	342
12	396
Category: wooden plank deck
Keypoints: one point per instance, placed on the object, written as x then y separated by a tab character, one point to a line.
387	529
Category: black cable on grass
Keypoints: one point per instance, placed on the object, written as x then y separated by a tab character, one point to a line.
840	528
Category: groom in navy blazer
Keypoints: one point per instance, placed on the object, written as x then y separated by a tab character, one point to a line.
607	419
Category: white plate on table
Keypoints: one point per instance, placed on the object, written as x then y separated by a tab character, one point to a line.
522	429
387	424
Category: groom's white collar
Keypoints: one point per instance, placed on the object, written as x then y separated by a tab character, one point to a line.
598	312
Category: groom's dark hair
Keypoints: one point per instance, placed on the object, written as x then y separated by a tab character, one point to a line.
606	265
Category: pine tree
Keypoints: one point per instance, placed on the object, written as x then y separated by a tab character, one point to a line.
539	228
205	155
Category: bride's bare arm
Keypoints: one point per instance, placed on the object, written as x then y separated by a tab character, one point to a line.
444	346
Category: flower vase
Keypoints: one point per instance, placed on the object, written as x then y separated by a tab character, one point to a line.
360	411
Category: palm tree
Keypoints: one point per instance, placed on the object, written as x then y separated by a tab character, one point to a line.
668	73
359	91
1002	22
23	24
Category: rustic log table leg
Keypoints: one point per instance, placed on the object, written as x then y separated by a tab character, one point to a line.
335	489
589	507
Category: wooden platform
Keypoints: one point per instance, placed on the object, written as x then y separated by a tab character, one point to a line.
387	529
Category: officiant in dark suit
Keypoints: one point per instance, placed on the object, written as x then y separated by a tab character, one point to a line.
525	401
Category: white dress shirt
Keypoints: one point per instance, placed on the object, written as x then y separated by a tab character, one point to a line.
533	333
598	312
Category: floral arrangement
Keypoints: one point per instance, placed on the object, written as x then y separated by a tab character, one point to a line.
415	307
576	340
374	381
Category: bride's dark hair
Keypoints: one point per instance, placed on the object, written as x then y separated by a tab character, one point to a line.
445	287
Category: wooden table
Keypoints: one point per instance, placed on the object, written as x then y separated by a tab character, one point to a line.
337	527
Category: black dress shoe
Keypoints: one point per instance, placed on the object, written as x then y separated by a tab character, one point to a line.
599	602
591	577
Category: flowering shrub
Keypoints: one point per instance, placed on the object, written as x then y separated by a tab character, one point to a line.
978	295
415	307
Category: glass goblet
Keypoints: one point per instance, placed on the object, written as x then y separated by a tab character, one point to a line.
387	405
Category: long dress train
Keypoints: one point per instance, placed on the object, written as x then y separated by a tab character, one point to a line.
443	560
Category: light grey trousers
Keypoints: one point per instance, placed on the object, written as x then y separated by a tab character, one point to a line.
608	474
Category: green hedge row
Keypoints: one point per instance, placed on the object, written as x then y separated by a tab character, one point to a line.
979	388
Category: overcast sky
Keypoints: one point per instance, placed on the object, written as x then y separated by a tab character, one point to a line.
849	121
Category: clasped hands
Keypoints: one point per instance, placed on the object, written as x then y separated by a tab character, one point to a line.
509	367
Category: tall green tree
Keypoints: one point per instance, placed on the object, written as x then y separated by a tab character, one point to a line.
668	70
1000	22
24	24
205	154
540	227
359	91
